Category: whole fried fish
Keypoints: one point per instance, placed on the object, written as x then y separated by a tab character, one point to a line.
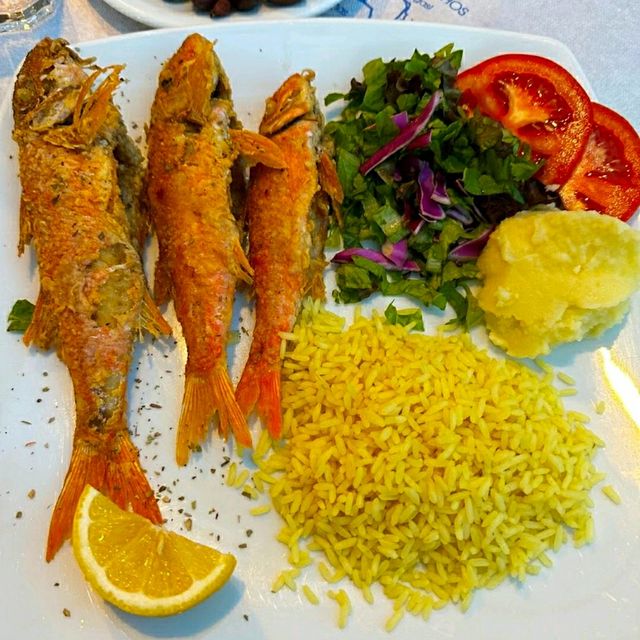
287	213
80	176
194	141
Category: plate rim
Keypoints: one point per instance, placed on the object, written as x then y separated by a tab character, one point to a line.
358	23
230	28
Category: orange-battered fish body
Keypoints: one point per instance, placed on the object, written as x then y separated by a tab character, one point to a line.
287	213
79	208
194	141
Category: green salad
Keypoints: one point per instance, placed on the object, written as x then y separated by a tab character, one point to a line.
425	183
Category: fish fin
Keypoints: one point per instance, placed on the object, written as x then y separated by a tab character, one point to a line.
90	111
316	281
43	326
294	99
245	271
204	394
330	184
112	468
151	319
258	148
259	388
162	284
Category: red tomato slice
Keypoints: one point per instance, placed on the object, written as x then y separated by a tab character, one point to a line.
607	178
539	102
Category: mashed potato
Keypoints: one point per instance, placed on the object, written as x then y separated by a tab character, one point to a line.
553	276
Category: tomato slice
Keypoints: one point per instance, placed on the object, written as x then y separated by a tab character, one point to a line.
607	178
538	101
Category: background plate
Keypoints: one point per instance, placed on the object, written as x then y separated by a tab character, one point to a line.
590	593
158	13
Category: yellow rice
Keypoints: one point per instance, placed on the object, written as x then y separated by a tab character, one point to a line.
261	510
612	494
344	606
423	464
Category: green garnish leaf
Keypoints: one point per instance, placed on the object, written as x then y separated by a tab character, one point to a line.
404	317
375	81
20	316
330	98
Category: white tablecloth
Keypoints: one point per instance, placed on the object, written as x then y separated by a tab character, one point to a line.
603	35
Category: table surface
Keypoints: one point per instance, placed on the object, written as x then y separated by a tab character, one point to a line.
602	35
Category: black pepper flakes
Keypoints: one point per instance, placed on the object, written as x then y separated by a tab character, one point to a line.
66	613
18	515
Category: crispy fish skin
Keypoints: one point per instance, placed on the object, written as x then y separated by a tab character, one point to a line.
194	140
93	299
287	213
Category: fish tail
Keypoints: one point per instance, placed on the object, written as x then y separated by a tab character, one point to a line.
113	469
204	394
259	388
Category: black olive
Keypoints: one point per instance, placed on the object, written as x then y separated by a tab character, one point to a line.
203	5
245	5
221	8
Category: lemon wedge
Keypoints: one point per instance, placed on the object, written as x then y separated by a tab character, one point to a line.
138	566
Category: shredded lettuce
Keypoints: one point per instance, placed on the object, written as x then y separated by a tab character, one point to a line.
482	172
404	317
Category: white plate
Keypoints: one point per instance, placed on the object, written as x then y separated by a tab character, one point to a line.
589	593
159	13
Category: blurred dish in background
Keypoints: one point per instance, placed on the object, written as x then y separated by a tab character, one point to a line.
181	13
24	15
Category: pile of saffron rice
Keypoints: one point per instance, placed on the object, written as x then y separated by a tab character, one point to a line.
422	463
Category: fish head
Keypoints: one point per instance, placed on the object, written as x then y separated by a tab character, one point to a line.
190	81
294	99
48	85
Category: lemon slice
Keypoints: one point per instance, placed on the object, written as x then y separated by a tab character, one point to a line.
138	566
